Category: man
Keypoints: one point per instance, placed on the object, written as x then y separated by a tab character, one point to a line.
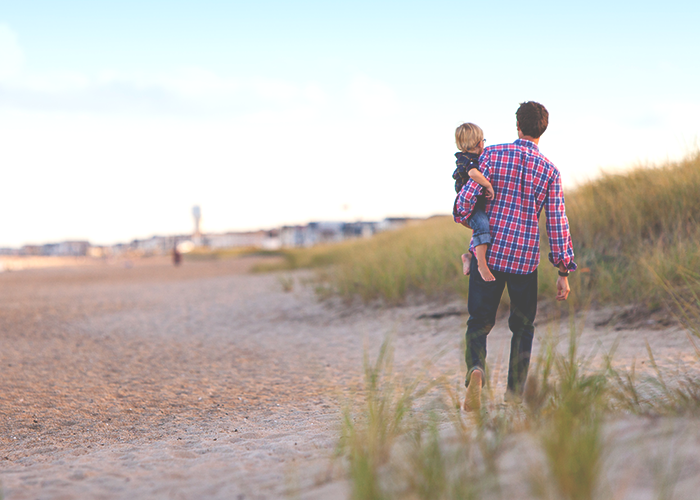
525	182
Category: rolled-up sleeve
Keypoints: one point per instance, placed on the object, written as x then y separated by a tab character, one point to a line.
560	244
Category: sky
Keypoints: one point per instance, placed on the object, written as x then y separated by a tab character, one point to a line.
116	117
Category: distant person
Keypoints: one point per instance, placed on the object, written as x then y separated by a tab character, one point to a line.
177	256
470	142
525	182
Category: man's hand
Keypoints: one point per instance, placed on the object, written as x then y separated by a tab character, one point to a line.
488	192
562	288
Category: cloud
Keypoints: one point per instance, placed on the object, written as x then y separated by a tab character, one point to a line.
315	94
11	55
188	92
372	97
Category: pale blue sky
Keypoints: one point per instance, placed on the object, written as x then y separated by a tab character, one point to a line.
117	117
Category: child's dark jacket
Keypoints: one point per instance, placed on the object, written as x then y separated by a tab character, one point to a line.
465	162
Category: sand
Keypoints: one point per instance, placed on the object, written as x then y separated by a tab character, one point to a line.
15	263
206	381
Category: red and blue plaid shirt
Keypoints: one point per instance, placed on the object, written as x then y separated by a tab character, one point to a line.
525	182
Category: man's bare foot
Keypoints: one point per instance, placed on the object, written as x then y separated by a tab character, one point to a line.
472	401
512	397
466	263
486	273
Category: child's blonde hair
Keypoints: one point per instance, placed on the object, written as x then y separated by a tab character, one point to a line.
468	136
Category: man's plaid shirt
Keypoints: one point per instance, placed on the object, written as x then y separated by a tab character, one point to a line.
525	182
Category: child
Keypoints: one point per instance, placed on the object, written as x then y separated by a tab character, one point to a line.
470	141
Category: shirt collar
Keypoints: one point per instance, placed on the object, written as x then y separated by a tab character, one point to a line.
471	156
526	144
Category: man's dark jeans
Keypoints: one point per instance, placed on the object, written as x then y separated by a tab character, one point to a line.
484	297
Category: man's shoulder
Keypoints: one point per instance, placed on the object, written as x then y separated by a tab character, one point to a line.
545	164
497	154
509	148
503	154
497	148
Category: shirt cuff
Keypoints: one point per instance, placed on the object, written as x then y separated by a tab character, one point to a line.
570	265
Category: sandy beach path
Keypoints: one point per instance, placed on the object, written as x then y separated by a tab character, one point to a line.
157	382
205	381
153	381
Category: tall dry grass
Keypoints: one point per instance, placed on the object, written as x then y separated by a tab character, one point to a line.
635	228
641	207
629	230
422	257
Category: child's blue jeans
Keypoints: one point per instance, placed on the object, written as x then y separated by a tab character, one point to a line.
479	222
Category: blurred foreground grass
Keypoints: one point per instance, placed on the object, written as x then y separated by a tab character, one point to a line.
630	232
405	436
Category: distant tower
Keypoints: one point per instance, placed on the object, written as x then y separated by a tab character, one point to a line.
197	214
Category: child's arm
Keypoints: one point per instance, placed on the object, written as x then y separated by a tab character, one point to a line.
479	178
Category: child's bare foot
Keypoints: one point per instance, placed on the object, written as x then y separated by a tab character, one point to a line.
472	401
466	263
486	273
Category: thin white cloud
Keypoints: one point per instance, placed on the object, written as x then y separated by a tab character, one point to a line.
11	54
192	91
193	83
372	97
315	94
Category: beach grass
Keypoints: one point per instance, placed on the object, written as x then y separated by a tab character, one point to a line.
405	436
567	402
204	254
630	230
637	241
417	258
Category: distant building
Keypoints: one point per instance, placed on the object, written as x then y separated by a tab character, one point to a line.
155	245
359	229
31	250
232	240
63	249
393	223
72	248
293	236
313	233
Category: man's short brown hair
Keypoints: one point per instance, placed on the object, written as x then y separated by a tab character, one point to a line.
533	118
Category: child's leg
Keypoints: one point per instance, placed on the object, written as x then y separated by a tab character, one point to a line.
466	262
484	270
481	238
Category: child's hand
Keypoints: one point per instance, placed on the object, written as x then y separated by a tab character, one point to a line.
489	193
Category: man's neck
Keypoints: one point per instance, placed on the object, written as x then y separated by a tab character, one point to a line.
528	138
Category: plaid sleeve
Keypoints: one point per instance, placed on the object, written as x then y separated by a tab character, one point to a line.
466	199
562	249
